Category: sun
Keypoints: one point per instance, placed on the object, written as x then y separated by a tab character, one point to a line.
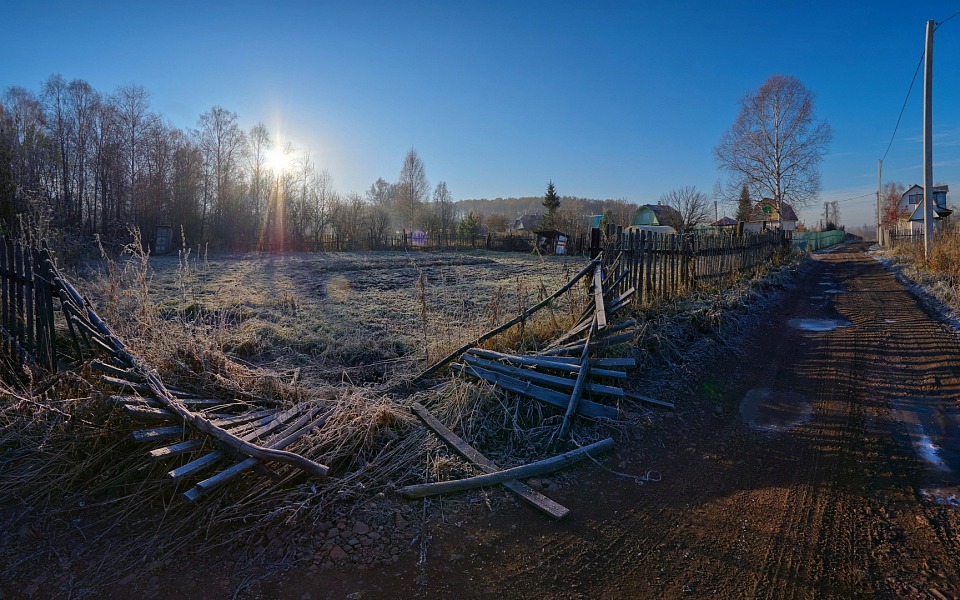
277	160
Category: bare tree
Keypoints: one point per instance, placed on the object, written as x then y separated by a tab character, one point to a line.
776	144
692	204
412	189
443	204
259	140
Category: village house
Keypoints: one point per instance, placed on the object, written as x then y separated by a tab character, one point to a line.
657	217
764	215
910	209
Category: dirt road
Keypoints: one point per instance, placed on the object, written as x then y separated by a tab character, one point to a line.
816	464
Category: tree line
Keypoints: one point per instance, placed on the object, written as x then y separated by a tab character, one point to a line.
88	163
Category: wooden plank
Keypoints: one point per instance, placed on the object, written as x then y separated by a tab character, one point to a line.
543	378
205	486
578	386
526	493
586	408
29	299
124	374
176	449
159	433
227	421
147	413
541	467
600	311
578	346
648	400
559	363
195	466
4	294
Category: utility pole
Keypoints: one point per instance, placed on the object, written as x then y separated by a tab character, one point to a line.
879	214
826	215
716	215
928	143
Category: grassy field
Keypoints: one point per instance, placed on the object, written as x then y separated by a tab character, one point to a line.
357	313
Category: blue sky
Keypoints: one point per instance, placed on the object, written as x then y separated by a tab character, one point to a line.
607	99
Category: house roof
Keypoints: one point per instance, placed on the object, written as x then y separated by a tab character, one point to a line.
917	214
760	210
725	222
662	214
528	221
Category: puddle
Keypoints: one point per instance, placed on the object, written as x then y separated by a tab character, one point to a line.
930	452
835	291
818	324
766	409
825	283
818	297
933	430
889	320
948	495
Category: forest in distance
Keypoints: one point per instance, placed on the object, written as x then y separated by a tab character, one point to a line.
93	163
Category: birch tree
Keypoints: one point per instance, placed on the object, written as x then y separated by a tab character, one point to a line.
776	144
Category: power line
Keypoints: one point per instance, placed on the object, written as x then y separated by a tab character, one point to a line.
904	107
871	195
910	89
945	20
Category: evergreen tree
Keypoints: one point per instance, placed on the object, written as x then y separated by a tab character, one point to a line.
551	202
744	204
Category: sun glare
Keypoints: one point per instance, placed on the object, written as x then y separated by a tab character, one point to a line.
277	160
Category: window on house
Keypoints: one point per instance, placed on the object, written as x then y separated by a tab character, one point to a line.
915	198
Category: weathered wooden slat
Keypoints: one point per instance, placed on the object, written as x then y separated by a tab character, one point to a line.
227	421
525	492
648	400
558	363
541	467
121	400
578	386
125	374
147	413
159	433
195	466
576	347
203	487
176	449
219	479
543	378
586	408
601	312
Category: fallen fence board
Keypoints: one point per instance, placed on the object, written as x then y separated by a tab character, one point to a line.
537	377
176	449
586	408
528	494
158	434
541	467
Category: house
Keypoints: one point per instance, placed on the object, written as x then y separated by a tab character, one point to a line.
764	215
528	222
725	223
657	215
910	209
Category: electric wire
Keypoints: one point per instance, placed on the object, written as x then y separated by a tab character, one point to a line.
937	26
904	107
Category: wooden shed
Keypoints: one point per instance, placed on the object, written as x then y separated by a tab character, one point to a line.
552	241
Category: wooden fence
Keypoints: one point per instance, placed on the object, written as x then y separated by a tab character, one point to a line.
27	328
659	265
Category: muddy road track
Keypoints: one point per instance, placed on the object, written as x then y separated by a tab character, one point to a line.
816	463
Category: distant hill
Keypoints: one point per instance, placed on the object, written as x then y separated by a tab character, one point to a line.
514	208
